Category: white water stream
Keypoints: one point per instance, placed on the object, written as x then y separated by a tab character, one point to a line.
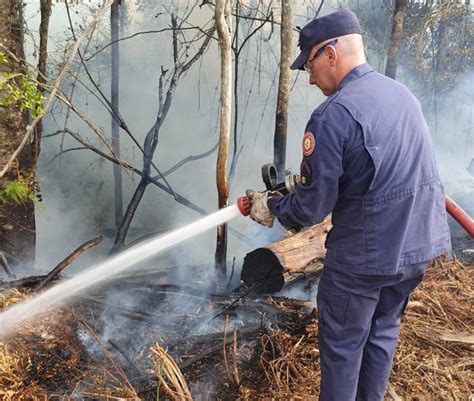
47	300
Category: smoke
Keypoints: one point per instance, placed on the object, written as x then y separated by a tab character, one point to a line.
78	192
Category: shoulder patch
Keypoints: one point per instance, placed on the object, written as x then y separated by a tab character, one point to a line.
309	143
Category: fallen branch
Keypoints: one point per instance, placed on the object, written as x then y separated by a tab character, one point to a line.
460	338
25	282
66	262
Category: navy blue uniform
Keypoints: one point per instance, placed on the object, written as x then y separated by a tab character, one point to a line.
368	159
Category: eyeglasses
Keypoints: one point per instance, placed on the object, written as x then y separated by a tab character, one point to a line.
318	53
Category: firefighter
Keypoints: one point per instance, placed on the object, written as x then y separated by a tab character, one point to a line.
368	159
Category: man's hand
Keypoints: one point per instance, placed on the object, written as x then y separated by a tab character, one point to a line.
259	211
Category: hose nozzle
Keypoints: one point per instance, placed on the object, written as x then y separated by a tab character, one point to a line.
244	205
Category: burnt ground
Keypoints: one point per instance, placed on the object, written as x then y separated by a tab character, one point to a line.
129	339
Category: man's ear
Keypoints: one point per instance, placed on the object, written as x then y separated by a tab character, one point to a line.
331	54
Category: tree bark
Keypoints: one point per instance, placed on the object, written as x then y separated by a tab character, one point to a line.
281	121
267	270
224	27
396	38
115	55
45	7
17	221
236	93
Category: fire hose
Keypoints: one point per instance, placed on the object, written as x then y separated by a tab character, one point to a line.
458	214
269	176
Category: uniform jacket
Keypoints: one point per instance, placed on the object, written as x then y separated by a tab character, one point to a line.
368	158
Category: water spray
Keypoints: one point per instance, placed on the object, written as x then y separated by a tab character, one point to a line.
44	302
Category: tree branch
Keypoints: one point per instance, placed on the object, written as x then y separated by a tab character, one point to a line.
59	79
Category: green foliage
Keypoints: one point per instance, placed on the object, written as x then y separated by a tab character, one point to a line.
439	37
16	191
20	89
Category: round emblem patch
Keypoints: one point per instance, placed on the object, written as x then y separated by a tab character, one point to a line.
309	143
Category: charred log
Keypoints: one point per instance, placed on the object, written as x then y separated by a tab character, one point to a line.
268	270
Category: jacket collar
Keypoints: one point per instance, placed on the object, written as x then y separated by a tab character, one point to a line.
354	74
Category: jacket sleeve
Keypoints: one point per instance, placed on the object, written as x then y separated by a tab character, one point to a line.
320	171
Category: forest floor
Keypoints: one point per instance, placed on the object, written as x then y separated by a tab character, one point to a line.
65	355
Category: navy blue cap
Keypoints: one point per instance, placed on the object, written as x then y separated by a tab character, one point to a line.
330	26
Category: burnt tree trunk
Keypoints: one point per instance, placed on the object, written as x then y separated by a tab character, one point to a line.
115	56
396	38
45	7
281	121
223	25
17	220
267	270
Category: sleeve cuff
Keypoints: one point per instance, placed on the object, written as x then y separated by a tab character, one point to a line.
272	203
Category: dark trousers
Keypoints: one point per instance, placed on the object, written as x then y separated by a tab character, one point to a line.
359	323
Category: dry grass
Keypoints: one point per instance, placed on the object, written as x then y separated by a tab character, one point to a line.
170	379
435	357
11	297
102	384
15	365
45	357
14	369
290	364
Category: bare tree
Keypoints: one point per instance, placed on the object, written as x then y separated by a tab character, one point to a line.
396	37
115	56
224	28
151	139
45	8
281	121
